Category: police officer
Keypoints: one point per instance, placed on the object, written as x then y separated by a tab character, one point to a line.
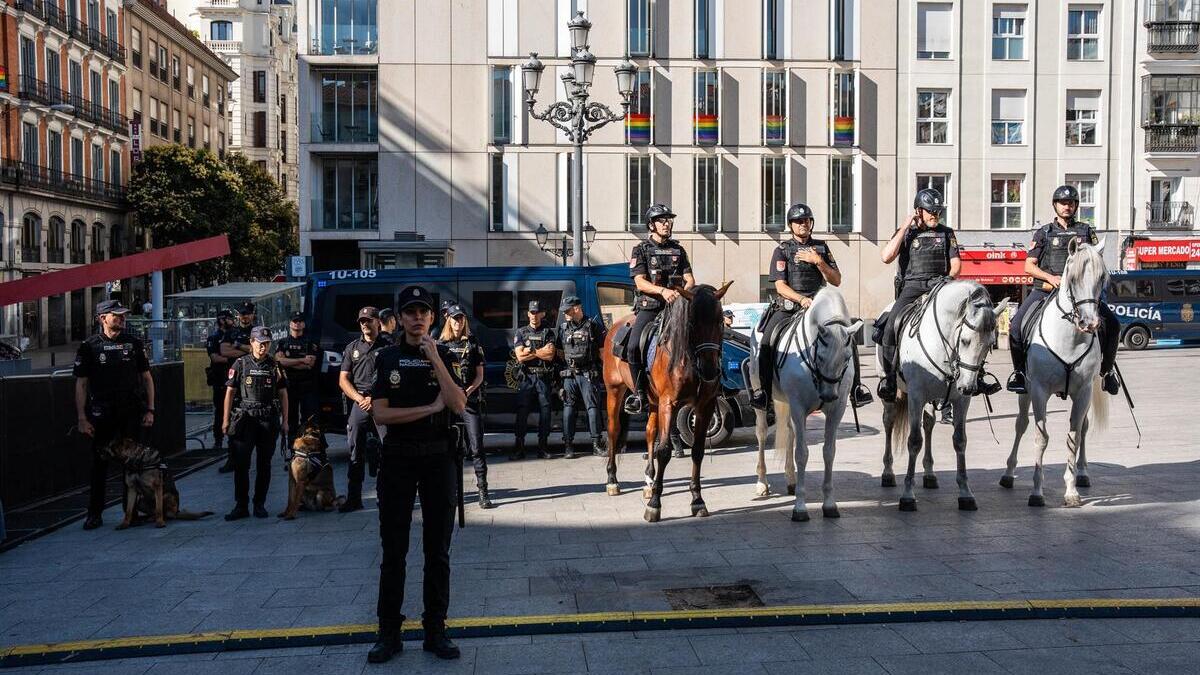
533	346
356	378
1045	262
235	345
256	413
414	396
467	367
114	394
800	267
387	324
727	319
216	373
298	355
579	341
657	264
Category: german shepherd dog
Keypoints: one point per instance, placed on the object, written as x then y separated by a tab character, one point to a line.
310	475
149	488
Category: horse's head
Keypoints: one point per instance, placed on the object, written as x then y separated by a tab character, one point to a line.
1083	280
976	338
705	328
832	355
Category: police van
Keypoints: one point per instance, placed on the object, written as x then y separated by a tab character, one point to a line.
495	300
1155	306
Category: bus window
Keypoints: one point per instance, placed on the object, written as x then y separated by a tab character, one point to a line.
615	300
346	306
1145	289
493	309
550	301
1183	287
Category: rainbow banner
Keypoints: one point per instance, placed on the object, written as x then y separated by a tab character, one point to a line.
706	129
3	78
637	129
843	131
775	129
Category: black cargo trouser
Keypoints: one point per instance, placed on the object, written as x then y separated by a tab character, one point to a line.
533	386
258	434
109	425
303	403
578	388
472	421
406	471
363	436
218	401
633	345
766	351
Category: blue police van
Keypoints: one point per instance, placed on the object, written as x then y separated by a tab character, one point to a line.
1155	305
495	299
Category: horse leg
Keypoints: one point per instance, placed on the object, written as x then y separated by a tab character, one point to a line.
800	454
761	488
1010	474
833	417
929	481
699	508
916	408
966	500
1081	475
1079	411
651	444
786	412
658	446
1040	441
616	435
889	418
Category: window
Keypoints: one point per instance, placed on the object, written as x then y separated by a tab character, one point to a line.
154	56
349	199
639	122
78	242
933	117
1183	287
153	115
1087	197
31	238
349	108
496	189
53	72
29	144
260	86
54	153
135	46
1171	99
221	30
191	82
114	103
502	17
77	158
706	125
841	193
207	137
640	194
1008	32
935	22
114	167
75	74
98	163
97	242
204	89
494	309
1006	203
111	20
1082	110
638	38
1083	34
774	193
177	125
774	107
844	19
775	17
56	240
175	72
136	104
191	131
162	63
941	183
1008	116
706	25
260	128
502	100
843	126
708	190
96	89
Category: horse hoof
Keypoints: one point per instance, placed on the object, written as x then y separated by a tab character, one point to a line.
799	516
967	504
1072	501
888	481
1083	481
1006	482
792	490
929	482
761	490
908	505
700	511
830	512
647	492
1037	500
652	515
613	489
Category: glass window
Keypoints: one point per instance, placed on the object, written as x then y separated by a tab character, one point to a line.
346	307
844	127
31	237
344	27
772	29
933	117
705	40
941	183
934	30
638	38
1008	116
1087	197
1008	32
53	73
54	152
77	157
1183	287
616	300
78	242
349	108
98	163
56	240
708	187
640	194
841	194
1083	34
844	46
30	151
774	107
1082	111
497	193
639	122
1171	99
114	166
493	309
706	124
260	86
348	195
774	193
1006	203
221	30
550	299
502	104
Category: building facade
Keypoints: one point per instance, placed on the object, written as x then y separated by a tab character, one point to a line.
177	86
64	155
257	38
419	151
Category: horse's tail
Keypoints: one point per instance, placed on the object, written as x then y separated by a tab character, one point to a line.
1099	413
900	422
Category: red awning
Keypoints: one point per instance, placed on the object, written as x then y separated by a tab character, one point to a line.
995	272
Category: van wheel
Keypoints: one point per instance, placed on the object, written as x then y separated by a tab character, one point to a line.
1137	338
720	427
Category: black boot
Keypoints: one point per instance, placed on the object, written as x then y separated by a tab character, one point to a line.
1016	381
636	401
569	450
543	451
887	383
350	505
598	448
485	500
518	451
386	646
440	645
240	511
1111	384
93	521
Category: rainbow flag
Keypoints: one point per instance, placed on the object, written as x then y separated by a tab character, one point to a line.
706	129
637	129
775	129
3	78
843	131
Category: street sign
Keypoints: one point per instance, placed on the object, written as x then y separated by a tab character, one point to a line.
113	286
298	266
135	141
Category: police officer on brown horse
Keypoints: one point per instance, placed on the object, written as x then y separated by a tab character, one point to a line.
800	267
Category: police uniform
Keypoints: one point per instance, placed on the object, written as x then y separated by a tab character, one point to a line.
254	423
580	344
216	373
664	265
303	399
466	357
535	383
116	400
416	459
362	434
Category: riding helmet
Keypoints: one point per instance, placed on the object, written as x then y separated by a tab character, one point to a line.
1066	193
799	212
930	200
658	211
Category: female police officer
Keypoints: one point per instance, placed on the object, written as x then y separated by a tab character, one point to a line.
467	359
256	412
413	396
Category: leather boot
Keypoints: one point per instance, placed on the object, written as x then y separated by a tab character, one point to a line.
1111	384
598	447
440	645
485	500
386	646
543	451
887	384
636	402
569	451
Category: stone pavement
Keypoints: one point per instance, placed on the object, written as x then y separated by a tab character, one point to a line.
558	544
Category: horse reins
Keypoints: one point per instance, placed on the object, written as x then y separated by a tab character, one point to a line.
952	358
696	352
1074	317
817	376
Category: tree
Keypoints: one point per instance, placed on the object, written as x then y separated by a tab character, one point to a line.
274	223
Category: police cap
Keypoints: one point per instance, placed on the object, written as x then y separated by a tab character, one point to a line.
1066	193
535	307
260	334
454	309
728	314
110	307
929	200
799	212
368	312
414	295
569	302
246	308
658	211
297	317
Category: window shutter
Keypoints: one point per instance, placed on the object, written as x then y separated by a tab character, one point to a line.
511	189
520	118
716	20
1008	104
934	27
1083	100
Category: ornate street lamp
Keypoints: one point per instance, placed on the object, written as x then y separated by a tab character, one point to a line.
563	248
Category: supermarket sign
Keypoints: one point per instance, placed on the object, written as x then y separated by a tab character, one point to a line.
1168	250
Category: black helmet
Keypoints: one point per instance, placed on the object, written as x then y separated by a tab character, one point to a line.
930	200
1066	193
799	212
658	211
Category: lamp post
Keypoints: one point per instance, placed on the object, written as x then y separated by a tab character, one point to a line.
577	117
564	248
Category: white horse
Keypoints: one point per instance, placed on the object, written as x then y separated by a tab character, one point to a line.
1064	359
816	374
941	357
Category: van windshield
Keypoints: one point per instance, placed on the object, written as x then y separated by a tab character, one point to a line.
338	308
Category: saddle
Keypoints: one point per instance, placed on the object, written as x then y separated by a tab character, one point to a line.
773	340
880	325
647	344
1030	323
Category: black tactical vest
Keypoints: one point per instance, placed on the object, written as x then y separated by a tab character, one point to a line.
460	353
804	277
577	344
928	256
1058	243
258	386
535	339
662	262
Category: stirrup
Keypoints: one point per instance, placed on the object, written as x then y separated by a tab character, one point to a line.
758	400
633	404
1016	382
861	395
988	384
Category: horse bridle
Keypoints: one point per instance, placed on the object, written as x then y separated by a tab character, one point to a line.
697	351
952	358
1073	314
819	377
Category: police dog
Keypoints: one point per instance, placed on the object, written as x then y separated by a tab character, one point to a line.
149	488
310	475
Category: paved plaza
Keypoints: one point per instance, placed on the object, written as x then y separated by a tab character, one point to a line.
557	544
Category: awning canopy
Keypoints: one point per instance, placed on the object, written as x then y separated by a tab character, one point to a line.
994	266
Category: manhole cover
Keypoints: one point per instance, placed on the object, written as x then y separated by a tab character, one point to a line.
713	597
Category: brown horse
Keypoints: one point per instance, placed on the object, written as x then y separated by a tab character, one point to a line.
686	369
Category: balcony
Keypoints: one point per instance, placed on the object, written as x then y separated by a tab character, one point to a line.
56	18
55	255
1172	27
1169	216
33	176
331	132
36	90
224	46
1172	137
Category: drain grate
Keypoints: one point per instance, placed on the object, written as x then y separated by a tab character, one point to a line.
713	597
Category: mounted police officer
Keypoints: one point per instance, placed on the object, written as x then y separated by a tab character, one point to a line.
298	356
1045	262
355	379
467	367
656	265
533	345
256	413
800	267
415	396
216	373
579	341
234	345
114	394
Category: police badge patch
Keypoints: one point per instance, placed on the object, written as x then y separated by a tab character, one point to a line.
394	377
102	358
916	243
780	265
249	380
354	355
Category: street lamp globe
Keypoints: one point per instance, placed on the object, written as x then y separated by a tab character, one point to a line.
542	235
625	71
531	75
579	27
569	85
583	64
589	233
